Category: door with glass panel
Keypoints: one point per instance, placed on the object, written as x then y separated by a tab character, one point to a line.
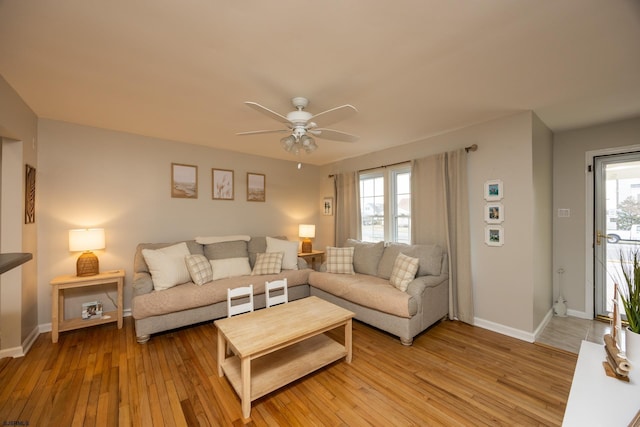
616	222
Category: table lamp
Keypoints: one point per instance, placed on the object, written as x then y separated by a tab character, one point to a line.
307	232
86	240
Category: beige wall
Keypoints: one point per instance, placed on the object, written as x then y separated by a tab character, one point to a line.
542	220
570	242
92	177
512	291
18	287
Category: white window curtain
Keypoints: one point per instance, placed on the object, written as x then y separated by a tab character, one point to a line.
347	207
440	214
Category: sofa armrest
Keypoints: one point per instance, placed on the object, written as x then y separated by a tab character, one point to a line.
142	283
418	285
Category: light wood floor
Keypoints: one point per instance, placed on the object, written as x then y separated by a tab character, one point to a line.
567	333
454	374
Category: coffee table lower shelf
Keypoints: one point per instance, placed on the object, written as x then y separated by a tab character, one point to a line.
277	369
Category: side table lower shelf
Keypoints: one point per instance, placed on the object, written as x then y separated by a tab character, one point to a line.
78	323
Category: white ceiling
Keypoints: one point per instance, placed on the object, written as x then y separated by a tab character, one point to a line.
181	70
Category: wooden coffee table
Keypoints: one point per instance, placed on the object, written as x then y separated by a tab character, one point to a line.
278	345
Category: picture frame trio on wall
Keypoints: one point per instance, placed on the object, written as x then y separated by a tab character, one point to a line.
493	213
184	183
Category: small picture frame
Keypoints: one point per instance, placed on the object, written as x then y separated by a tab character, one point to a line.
222	184
494	235
493	190
184	181
327	206
30	195
256	187
91	310
493	213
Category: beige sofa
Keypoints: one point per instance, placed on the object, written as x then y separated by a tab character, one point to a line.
369	294
186	304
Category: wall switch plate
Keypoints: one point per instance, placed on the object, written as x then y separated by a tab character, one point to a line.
564	213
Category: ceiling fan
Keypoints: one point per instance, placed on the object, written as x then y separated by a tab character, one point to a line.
302	125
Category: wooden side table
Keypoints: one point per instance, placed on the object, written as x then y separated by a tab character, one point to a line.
311	257
60	283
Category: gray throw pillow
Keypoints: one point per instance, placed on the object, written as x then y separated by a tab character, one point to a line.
366	256
430	259
223	250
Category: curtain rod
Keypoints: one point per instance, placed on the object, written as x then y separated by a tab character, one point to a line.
473	147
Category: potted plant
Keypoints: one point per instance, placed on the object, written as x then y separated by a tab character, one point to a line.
629	291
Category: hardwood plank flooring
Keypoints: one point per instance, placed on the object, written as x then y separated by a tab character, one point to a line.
453	375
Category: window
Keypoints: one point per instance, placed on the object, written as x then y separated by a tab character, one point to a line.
385	204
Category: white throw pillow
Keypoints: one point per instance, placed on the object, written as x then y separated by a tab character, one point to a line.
167	265
290	250
230	267
340	260
267	263
404	271
199	269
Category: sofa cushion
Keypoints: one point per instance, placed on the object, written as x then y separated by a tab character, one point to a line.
230	267
340	260
199	269
430	257
289	249
222	250
189	295
167	265
404	271
368	291
268	263
366	256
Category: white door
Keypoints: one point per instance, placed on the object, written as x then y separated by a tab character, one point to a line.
616	222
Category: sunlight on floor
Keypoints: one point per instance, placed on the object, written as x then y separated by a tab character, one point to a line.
567	333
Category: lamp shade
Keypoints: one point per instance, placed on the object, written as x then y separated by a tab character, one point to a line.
307	230
86	239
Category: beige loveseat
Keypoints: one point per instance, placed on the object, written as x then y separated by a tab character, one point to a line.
187	303
369	293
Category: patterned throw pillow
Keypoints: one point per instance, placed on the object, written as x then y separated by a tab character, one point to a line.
340	260
268	263
404	271
199	269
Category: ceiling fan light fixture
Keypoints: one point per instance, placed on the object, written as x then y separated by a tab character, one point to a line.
288	142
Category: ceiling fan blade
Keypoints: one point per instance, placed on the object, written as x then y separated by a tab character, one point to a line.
264	110
256	132
334	135
334	115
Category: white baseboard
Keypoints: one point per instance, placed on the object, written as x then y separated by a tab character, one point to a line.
26	345
11	352
579	314
504	330
22	349
543	324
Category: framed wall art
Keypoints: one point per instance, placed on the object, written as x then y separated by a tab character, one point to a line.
327	206
493	190
256	187
222	184
30	195
494	235
493	213
184	181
